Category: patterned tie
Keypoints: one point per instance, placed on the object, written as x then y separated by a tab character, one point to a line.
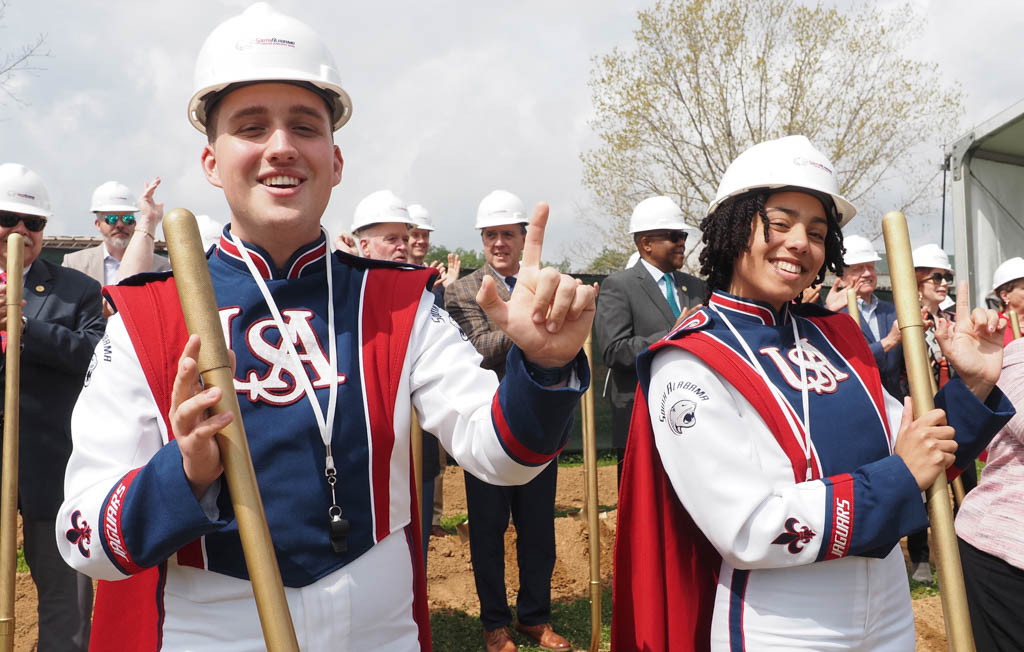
671	296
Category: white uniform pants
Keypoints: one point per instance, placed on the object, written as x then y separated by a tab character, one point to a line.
367	605
854	603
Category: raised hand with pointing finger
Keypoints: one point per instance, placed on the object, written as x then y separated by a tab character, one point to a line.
549	314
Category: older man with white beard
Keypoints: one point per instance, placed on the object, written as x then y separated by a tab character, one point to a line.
115	208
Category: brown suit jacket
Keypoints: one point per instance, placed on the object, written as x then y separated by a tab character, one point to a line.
489	340
90	262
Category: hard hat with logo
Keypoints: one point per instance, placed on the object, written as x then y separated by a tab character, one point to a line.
931	255
113	196
859	250
1010	270
658	214
500	208
421	217
379	207
261	44
786	162
22	191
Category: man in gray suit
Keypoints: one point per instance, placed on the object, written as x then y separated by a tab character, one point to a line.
62	322
128	240
639	305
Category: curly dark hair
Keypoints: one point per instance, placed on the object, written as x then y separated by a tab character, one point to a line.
727	235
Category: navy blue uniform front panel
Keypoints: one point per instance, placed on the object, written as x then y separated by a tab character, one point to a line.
839	403
290	470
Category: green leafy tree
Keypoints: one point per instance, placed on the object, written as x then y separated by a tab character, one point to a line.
708	78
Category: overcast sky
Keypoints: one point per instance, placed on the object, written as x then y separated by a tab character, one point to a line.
451	99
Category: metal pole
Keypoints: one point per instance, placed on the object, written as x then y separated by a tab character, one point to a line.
12	396
593	523
959	635
199	305
1014	324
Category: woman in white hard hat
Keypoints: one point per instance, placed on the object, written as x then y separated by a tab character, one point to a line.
771	446
1008	286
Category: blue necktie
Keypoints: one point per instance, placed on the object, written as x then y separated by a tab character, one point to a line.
510	281
671	296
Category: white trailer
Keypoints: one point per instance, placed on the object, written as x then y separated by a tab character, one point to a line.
987	169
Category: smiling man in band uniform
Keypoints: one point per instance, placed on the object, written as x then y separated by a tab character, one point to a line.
145	472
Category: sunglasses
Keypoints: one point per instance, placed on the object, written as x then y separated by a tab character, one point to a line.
672	236
33	223
939	278
112	219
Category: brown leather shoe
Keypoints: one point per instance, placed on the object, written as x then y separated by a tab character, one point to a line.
544	636
499	640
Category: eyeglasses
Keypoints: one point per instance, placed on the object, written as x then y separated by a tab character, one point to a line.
938	278
672	236
112	219
33	223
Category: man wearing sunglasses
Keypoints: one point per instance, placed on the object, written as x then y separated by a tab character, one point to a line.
61	324
115	208
639	305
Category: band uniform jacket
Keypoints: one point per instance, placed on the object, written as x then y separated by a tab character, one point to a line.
489	340
64	322
90	262
632	314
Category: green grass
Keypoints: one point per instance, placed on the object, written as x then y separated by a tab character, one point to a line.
457	631
22	564
572	460
919	590
559	513
448	523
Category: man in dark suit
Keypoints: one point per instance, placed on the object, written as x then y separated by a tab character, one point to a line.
502	221
877	317
61	325
639	305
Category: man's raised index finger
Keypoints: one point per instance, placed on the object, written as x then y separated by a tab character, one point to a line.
535	235
963	302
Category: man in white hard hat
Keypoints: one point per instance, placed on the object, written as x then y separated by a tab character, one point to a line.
877	317
121	221
501	219
62	322
332	353
381	227
641	304
1008	287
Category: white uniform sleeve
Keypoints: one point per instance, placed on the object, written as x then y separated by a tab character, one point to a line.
116	427
737	483
460	403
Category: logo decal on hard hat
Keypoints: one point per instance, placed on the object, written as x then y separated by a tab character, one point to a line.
800	160
247	44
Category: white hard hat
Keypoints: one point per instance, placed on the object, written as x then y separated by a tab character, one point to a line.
379	207
22	191
859	250
113	196
658	213
420	216
931	255
790	161
498	209
1010	270
261	44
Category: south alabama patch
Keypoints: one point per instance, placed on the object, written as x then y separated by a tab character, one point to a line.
679	403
